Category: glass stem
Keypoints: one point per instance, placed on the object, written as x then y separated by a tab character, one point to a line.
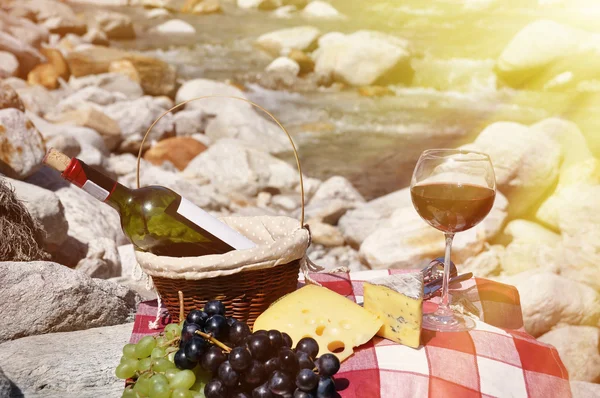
445	305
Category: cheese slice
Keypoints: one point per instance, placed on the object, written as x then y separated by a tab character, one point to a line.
335	322
398	301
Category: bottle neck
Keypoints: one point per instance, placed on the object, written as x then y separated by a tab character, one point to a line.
97	184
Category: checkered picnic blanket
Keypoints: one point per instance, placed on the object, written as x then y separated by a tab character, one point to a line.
496	359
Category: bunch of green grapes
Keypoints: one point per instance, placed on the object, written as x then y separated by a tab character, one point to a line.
150	364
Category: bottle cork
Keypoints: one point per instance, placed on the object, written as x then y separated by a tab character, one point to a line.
57	160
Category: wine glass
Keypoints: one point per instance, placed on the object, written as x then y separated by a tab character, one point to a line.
453	190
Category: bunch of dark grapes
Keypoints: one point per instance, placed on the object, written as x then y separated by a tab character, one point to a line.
243	364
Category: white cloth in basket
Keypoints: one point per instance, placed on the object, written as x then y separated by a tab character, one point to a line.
280	240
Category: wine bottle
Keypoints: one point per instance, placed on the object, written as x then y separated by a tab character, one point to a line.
155	218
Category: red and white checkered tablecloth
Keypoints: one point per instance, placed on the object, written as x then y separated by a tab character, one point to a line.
496	359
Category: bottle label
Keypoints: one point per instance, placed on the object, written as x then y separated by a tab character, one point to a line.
213	226
95	190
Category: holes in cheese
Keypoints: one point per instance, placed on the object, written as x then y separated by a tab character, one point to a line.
398	301
335	322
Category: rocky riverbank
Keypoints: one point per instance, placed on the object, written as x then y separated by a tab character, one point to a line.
74	78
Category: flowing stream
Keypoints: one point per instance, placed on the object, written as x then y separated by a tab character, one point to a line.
375	141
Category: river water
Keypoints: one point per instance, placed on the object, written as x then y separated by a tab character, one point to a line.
375	141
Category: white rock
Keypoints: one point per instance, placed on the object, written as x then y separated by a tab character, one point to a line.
573	143
320	9
116	83
234	167
190	121
90	95
84	136
71	300
58	357
80	208
284	65
24	29
283	40
406	239
341	256
578	350
233	118
248	4
45	207
337	187
525	231
66	144
9	65
359	223
325	234
286	203
486	263
22	145
157	13
135	117
38	99
102	259
284	11
549	301
360	58
202	138
175	27
582	389
128	260
526	162
536	45
328	212
5	385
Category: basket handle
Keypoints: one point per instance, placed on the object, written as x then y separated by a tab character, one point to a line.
241	99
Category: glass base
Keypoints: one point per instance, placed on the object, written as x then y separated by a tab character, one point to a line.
448	321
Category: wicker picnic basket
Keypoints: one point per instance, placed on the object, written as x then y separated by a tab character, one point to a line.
246	281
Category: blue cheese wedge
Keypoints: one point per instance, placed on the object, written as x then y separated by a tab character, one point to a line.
398	302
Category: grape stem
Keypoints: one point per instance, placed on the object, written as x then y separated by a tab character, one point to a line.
168	343
181	312
216	342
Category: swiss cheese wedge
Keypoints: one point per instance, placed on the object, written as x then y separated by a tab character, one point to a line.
335	322
398	301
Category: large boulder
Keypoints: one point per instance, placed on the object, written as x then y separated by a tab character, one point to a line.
548	55
22	145
232	118
578	347
526	162
363	58
234	167
58	356
45	207
58	299
550	301
406	239
283	40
